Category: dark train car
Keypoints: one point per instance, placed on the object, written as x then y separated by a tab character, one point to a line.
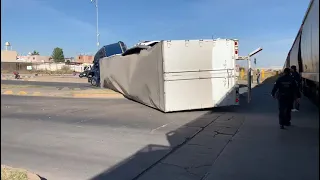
304	52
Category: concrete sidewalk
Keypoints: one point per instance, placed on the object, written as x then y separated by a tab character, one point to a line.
246	143
260	150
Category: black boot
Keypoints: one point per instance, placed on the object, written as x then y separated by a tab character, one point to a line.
288	123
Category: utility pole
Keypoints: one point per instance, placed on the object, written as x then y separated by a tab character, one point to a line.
249	77
97	23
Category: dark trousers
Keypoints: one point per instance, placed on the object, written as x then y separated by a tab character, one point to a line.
296	105
285	106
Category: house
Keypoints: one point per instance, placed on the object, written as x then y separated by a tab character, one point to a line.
35	59
9	56
84	59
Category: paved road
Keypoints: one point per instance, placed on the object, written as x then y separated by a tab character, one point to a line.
52	84
80	138
260	150
120	139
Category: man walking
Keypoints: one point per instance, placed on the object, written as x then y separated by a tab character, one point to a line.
296	76
287	90
258	76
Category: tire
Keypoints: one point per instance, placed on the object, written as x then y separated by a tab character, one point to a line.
93	82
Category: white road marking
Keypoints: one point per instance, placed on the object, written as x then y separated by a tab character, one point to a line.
159	127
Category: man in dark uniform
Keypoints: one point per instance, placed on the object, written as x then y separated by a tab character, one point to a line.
287	90
296	76
258	76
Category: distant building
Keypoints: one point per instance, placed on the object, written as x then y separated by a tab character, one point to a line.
34	59
276	67
9	56
84	59
70	59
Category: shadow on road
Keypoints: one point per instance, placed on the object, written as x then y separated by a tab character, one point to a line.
42	178
270	80
145	160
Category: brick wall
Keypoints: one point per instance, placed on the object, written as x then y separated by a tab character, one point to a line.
84	59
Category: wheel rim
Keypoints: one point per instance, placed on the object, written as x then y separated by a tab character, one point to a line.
93	82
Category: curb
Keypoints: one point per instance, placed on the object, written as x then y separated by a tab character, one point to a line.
23	76
83	95
72	95
21	79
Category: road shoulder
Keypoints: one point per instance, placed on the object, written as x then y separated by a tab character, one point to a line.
33	90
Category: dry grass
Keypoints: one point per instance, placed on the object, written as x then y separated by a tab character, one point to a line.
63	70
8	173
267	75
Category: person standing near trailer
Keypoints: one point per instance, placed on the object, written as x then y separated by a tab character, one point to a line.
296	76
287	90
258	76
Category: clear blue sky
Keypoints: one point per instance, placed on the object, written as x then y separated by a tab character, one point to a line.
71	24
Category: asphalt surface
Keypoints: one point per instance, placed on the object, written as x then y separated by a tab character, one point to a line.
62	138
261	150
99	139
51	84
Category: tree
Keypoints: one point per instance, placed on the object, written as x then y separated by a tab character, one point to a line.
35	53
57	55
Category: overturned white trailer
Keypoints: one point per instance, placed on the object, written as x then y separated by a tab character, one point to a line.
176	75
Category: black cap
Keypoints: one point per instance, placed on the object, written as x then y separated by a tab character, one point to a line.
286	71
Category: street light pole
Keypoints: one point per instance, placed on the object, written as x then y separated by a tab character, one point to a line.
248	58
97	14
249	79
250	71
